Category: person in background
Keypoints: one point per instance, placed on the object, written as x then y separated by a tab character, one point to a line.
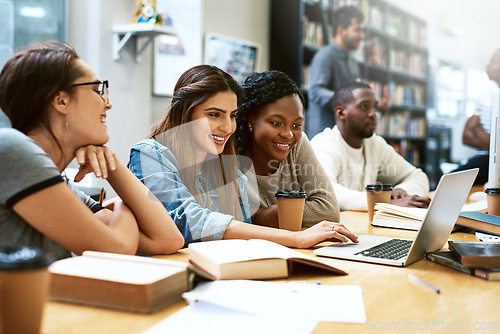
57	107
354	156
332	66
476	132
189	163
270	133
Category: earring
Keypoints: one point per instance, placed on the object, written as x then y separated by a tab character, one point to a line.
68	130
250	127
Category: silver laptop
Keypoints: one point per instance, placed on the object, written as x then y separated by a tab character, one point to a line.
450	196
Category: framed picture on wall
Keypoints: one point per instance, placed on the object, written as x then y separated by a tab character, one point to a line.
174	54
235	56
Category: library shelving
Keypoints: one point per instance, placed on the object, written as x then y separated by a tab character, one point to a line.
393	55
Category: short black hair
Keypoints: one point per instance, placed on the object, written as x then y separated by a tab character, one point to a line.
342	17
344	94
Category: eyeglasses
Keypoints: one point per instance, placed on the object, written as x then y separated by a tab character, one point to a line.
102	89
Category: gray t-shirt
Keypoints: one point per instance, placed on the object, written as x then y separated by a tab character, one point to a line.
25	169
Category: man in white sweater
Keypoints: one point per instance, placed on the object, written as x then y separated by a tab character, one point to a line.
354	156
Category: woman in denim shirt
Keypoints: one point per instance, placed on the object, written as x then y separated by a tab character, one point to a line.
189	164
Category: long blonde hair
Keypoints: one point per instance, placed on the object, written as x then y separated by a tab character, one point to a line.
195	86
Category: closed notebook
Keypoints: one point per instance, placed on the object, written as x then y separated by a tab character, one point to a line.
252	259
480	221
117	281
476	253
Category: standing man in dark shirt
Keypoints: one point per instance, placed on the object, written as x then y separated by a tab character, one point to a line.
332	66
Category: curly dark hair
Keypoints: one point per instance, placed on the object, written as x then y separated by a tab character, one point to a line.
260	89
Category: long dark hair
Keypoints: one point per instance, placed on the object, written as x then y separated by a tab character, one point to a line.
260	89
30	80
194	87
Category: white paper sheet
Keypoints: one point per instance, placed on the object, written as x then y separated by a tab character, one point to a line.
207	318
329	303
243	306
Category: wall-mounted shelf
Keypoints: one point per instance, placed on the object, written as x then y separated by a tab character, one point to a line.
125	32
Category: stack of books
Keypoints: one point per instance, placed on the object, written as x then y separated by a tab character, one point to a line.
481	259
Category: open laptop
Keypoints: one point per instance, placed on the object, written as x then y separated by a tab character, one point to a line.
451	193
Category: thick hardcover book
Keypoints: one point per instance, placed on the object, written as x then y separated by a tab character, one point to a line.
117	281
480	221
476	253
252	259
446	258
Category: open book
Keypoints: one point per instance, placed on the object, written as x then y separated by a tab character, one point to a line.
124	282
251	259
395	216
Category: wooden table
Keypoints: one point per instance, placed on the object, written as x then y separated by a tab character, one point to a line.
393	303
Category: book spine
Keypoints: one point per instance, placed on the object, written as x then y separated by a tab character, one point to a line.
484	274
449	263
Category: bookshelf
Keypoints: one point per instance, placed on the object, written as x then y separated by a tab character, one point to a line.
393	54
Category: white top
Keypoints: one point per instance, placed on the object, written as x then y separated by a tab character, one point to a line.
351	169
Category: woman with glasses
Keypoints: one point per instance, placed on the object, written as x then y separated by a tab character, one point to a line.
58	108
189	164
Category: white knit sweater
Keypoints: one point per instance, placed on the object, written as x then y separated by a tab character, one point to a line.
351	169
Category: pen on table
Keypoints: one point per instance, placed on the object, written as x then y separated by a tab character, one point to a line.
101	196
424	283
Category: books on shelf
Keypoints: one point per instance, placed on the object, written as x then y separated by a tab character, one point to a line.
480	221
313	32
125	282
376	52
476	253
401	124
409	95
446	258
251	259
416	33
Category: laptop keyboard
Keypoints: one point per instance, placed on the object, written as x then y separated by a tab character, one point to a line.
393	249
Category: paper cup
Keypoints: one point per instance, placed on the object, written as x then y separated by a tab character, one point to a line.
493	201
377	193
24	283
290	208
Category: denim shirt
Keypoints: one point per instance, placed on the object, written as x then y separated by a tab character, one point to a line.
156	166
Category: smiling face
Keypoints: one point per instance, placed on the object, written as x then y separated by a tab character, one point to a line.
357	119
277	127
86	114
215	122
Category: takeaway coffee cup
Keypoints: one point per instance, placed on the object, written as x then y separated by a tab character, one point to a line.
377	193
24	283
493	201
290	208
